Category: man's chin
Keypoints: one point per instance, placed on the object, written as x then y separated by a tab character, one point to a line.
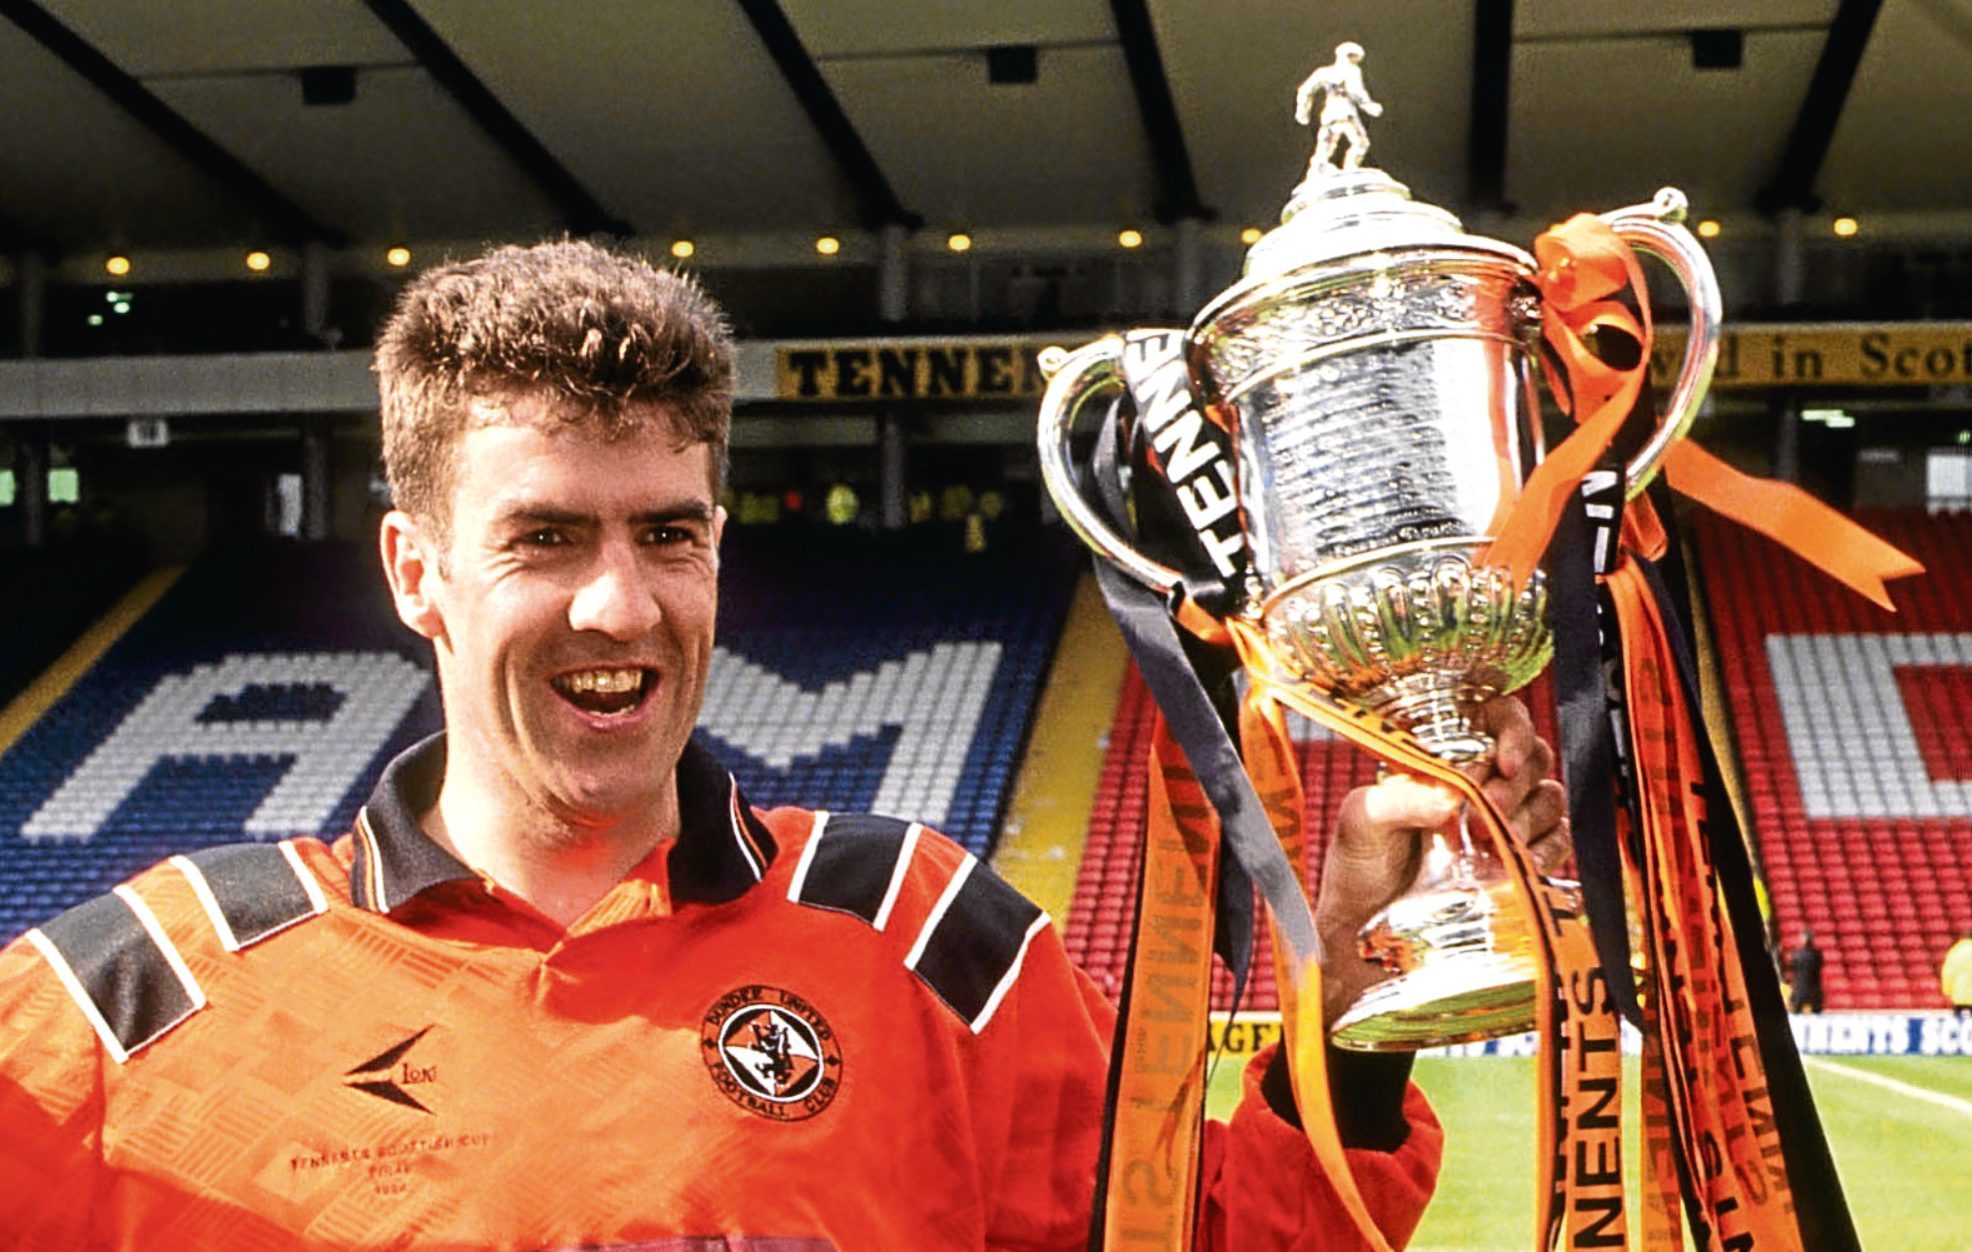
601	780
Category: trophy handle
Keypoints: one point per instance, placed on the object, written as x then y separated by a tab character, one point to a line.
1073	380
1657	229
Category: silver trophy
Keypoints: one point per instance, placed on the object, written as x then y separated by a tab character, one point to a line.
1375	368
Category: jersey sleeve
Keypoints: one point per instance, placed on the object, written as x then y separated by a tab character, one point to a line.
1051	1037
1263	1188
51	1104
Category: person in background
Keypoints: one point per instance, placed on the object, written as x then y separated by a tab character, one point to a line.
1955	976
1804	971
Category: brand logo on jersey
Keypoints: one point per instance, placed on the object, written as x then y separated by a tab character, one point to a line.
771	1053
389	1072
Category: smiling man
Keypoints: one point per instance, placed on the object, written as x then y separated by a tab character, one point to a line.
569	597
562	985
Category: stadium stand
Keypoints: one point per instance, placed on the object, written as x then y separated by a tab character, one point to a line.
888	672
52	594
1854	730
262	694
256	699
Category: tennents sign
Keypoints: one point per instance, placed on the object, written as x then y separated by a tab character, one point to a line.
1788	355
1861	354
911	370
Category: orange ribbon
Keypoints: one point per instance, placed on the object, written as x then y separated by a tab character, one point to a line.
1705	1077
1838	547
1270	761
1584	265
1578	1149
1151	1196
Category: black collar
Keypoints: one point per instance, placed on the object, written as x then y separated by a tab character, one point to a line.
722	847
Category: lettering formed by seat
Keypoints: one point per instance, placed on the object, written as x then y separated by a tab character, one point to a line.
934	696
325	757
1854	741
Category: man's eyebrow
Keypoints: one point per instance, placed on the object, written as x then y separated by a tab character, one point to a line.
544	515
686	511
524	513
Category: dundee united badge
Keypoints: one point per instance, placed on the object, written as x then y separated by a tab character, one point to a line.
771	1053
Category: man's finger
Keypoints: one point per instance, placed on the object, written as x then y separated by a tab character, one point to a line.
1507	721
1540	813
1375	843
1508	790
1398	802
1552	850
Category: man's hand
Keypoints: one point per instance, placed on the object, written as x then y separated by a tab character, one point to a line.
1374	853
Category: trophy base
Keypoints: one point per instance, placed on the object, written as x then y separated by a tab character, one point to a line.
1465	964
1460	999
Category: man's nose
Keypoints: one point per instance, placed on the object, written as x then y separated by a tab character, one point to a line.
615	599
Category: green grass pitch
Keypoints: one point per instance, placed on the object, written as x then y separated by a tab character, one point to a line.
1900	1128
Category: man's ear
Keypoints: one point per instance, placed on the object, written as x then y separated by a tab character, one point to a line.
411	566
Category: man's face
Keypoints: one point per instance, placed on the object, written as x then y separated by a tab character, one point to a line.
573	617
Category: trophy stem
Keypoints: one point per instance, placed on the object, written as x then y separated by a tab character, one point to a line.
1457	941
1438	711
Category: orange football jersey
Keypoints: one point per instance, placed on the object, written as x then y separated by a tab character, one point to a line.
782	1030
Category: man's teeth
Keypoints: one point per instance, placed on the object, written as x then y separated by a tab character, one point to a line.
603	681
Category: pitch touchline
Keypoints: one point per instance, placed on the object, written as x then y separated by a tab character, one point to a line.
1938	1098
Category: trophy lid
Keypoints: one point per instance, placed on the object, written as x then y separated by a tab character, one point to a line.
1342	209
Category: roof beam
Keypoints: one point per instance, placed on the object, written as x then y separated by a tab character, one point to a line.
16	239
581	212
1492	82
1793	183
878	205
278	213
1177	187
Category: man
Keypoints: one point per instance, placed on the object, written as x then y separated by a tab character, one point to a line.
562	986
1804	976
1955	975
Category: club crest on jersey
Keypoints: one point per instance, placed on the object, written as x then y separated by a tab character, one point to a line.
771	1053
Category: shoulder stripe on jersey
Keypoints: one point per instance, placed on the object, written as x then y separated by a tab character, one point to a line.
800	878
897	875
125	974
971	948
366	878
851	864
951	892
251	890
1007	979
750	852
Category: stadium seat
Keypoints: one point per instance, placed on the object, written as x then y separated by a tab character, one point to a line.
1854	728
900	676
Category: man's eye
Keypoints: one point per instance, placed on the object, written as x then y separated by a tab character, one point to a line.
543	537
667	536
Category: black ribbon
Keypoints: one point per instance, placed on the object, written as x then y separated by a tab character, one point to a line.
1583	539
1248	837
1821	1208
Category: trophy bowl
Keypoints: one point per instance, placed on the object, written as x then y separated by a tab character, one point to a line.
1374	369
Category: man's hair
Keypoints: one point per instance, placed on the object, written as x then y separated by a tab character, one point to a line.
595	334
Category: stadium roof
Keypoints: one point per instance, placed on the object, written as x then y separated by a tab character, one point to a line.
138	126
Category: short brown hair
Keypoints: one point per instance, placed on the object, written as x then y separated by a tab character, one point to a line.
594	332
